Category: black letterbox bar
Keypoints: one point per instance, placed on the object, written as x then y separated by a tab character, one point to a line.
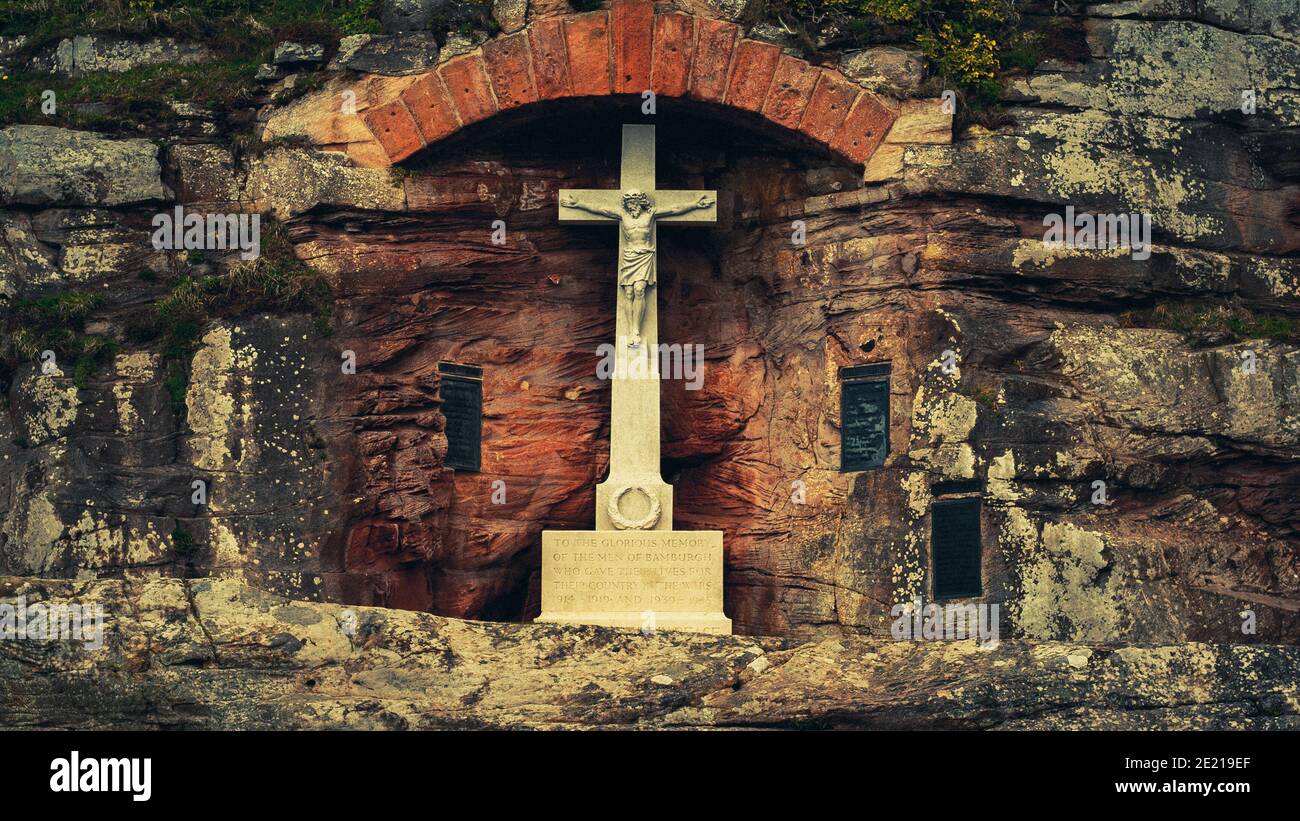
456	369
872	371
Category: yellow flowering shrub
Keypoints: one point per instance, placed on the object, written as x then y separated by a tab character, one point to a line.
968	60
968	42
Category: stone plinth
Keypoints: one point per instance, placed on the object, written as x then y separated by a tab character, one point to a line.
641	579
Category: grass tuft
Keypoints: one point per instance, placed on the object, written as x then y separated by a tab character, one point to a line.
56	323
1223	321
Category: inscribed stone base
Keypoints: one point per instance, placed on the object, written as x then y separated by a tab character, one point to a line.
640	579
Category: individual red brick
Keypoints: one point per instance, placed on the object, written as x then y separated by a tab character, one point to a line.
712	59
751	74
587	38
674	43
550	59
792	86
828	107
467	85
633	22
509	69
429	104
395	129
867	124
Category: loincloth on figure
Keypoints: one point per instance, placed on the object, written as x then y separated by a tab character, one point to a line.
638	266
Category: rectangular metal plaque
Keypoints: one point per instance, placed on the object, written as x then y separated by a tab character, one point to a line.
864	415
461	390
955	548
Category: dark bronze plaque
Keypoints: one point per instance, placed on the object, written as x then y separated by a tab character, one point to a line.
462	403
955	548
864	414
950	486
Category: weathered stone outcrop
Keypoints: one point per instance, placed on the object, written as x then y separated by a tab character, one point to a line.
209	654
332	486
77	55
45	166
411	52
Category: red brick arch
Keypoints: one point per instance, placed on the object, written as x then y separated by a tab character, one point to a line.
628	50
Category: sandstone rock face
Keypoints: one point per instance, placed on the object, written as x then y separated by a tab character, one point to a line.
210	654
410	52
511	15
329	485
44	166
206	175
289	182
290	53
719	9
885	67
86	54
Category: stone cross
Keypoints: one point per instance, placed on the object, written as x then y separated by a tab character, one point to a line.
634	570
635	497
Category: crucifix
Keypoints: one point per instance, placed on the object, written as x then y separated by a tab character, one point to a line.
635	497
634	570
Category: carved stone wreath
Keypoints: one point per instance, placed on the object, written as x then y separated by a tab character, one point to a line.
624	523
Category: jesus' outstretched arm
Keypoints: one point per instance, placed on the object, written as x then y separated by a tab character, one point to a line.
703	202
570	201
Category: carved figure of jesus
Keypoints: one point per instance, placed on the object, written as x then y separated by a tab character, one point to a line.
636	270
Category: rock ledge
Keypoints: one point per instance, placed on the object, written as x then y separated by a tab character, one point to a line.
213	653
